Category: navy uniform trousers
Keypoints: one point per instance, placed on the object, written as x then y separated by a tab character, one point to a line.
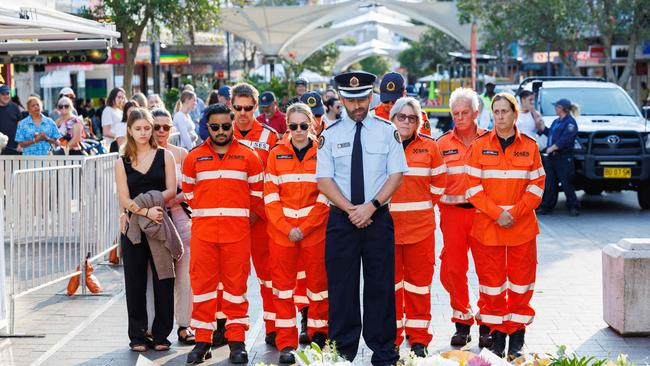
559	168
346	247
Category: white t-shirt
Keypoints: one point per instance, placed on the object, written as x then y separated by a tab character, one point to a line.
526	124
113	117
186	129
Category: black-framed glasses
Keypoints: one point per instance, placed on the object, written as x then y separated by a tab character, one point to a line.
164	127
411	117
224	126
246	108
63	106
294	126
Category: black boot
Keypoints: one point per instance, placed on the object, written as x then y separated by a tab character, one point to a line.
498	343
484	336
516	343
419	349
219	336
303	338
319	338
270	339
238	352
287	357
461	337
199	353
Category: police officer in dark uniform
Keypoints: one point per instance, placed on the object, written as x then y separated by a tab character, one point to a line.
559	159
360	165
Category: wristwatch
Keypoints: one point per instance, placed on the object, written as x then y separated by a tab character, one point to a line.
376	203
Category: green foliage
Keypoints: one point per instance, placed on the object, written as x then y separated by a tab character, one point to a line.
562	359
278	86
377	65
170	97
425	53
323	60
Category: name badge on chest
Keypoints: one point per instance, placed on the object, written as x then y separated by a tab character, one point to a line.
259	145
343	145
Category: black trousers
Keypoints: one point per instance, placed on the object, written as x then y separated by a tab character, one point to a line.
135	258
346	248
559	169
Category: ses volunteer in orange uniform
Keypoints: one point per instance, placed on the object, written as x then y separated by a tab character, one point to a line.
412	210
457	215
297	214
222	183
391	88
262	138
505	181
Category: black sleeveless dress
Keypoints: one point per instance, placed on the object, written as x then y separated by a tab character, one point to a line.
153	179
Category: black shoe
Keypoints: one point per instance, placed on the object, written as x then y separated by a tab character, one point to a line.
219	336
484	336
287	357
461	337
270	339
238	352
543	211
516	343
574	212
498	343
303	338
419	349
199	353
319	338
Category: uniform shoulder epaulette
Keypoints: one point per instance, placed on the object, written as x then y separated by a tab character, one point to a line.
244	145
485	133
333	124
269	128
444	134
426	136
530	137
382	120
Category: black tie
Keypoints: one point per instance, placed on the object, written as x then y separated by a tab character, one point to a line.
356	179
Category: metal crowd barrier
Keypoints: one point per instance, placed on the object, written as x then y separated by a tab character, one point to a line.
58	209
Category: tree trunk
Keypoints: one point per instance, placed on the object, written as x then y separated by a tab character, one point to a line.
130	52
569	61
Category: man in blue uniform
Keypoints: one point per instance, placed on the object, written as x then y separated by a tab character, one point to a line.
360	164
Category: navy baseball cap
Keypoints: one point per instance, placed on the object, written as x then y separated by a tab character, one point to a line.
4	89
391	87
266	99
224	91
314	101
410	91
355	84
565	103
301	81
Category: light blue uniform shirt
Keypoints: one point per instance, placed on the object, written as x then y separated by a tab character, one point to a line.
383	154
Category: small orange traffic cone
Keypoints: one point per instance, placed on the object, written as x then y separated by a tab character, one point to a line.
91	281
113	257
73	284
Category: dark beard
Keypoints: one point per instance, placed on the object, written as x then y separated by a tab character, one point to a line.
225	143
351	114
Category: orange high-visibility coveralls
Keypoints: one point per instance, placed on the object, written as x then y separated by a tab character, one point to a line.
505	258
411	207
220	241
383	112
292	200
262	138
456	218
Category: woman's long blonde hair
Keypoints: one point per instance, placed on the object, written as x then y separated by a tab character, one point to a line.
129	149
185	95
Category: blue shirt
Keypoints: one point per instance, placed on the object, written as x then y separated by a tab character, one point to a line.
563	133
383	154
27	129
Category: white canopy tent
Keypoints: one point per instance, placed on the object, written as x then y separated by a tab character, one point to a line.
41	29
352	54
306	45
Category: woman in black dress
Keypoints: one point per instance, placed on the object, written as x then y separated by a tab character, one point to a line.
144	167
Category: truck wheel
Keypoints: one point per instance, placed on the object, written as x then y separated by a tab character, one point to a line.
643	194
592	191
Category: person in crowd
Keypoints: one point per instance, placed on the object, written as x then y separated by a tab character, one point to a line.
65	92
330	93
333	111
484	119
488	94
225	95
119	128
505	182
314	101
360	165
70	127
199	106
644	94
180	214
391	88
145	181
19	103
36	134
112	115
457	215
530	121
297	212
142	100
271	114
559	158
301	86
213	98
221	235
262	138
182	120
9	117
155	102
411	208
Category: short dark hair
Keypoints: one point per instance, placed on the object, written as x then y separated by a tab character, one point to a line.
525	94
112	95
213	98
218	108
245	90
125	110
160	112
330	103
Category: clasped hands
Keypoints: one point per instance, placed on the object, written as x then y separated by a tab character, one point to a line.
505	220
360	215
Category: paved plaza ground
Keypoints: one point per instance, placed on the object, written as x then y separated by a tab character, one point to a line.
568	299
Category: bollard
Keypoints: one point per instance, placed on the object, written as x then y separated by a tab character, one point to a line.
626	286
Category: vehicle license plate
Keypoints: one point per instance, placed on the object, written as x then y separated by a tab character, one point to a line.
617	173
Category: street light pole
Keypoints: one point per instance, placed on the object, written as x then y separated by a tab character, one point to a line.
228	53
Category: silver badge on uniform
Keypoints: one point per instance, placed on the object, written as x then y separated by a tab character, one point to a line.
343	145
321	142
397	138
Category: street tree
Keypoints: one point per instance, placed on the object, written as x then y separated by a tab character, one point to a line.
323	60
421	58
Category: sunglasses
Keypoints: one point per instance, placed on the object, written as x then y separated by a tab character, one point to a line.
239	108
411	117
63	106
215	126
294	126
164	127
